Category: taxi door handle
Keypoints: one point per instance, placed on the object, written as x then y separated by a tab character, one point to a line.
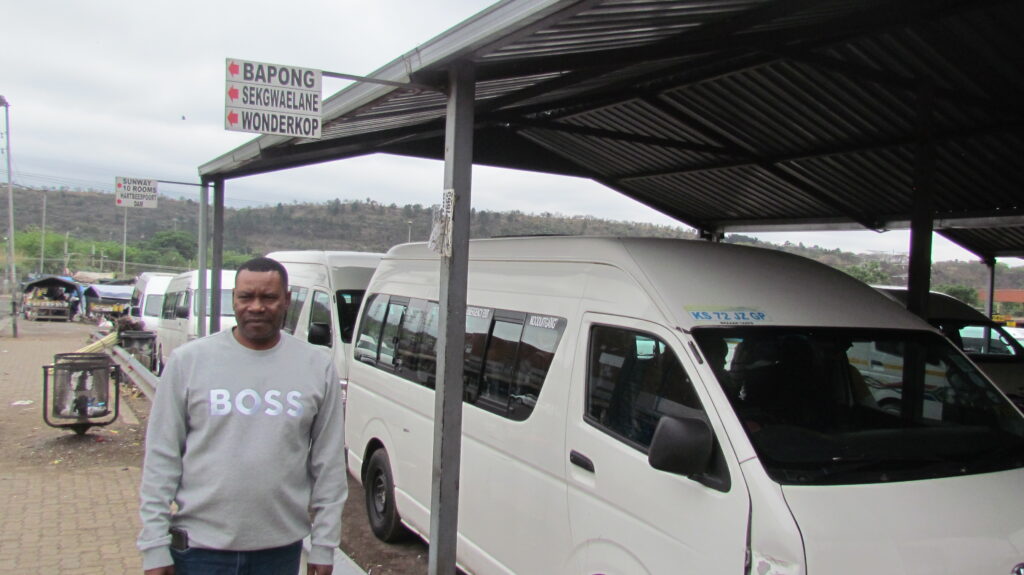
580	460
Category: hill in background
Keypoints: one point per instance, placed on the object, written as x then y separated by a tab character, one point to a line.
91	217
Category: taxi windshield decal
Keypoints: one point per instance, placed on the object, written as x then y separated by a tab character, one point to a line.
727	315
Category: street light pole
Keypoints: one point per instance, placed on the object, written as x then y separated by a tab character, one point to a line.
10	219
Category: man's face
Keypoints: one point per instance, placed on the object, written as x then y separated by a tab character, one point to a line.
260	303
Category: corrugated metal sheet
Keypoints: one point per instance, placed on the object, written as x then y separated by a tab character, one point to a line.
725	114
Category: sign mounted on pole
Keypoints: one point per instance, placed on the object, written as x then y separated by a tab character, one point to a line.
135	192
272	99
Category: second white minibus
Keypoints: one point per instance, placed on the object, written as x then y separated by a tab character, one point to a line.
326	290
148	298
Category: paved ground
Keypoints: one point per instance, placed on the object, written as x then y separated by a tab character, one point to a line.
55	517
69	503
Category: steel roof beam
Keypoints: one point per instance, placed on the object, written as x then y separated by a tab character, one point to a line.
832	200
723	33
618	136
887	223
939	136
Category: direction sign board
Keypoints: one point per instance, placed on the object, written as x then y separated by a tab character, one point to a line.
135	192
272	99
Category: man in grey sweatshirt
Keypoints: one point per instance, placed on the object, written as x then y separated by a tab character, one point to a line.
246	439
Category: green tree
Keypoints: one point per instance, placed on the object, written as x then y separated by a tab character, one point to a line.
184	244
869	272
966	294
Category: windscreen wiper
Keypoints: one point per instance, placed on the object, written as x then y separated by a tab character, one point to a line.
845	468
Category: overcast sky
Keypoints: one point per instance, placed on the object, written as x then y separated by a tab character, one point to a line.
136	88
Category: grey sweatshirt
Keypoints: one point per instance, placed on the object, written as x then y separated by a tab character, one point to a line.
247	444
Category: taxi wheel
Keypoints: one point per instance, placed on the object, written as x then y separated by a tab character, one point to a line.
380	499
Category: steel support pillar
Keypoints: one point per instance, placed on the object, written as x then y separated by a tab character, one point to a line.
922	216
218	255
458	169
204	230
990	308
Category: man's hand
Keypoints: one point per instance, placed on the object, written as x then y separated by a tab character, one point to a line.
166	570
312	569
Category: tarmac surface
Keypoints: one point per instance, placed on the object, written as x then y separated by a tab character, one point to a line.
56	517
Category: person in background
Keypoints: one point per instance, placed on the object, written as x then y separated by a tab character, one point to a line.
246	440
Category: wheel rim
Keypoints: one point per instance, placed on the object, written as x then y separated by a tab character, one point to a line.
380	494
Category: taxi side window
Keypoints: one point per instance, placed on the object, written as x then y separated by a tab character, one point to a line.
172	301
507	353
367	346
986	340
320	315
298	298
347	302
633	379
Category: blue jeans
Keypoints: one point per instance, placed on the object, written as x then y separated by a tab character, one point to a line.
277	561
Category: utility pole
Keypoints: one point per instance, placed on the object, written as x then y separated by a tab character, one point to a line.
124	242
42	237
10	219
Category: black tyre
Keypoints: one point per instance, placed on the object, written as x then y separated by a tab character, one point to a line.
379	486
159	367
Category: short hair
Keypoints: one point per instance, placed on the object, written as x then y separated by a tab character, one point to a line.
263	264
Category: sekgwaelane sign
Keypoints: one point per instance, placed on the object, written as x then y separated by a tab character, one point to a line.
272	99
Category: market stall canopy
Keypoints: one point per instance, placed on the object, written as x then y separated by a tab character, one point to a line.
108	292
57	282
728	116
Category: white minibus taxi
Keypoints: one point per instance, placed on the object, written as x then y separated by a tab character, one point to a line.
654	406
326	290
148	298
179	321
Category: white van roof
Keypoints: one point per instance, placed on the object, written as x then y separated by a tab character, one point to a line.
940	305
327	257
348	270
227	278
152	282
699	283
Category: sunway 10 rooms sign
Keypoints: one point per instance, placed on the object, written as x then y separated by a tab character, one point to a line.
272	99
135	192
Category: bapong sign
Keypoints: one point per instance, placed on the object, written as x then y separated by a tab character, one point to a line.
272	99
134	192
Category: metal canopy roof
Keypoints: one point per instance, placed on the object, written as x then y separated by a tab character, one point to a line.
730	115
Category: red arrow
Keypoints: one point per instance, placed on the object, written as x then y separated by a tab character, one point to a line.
233	93
232	118
233	69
